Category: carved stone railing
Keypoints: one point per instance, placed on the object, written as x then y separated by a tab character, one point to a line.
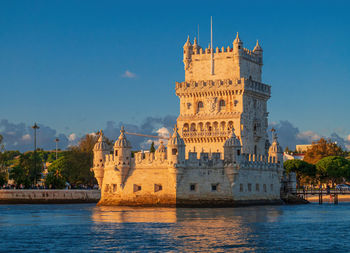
205	133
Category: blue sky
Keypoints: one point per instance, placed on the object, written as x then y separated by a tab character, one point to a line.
63	63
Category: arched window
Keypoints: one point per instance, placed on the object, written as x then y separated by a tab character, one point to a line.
255	150
200	106
174	151
193	127
185	127
222	105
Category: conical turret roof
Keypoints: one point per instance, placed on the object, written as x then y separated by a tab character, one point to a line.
188	42
237	40
176	139
275	146
122	142
101	144
161	148
232	141
257	47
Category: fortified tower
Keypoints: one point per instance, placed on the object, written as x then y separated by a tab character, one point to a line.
223	90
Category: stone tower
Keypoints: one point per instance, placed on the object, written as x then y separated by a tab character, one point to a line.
233	96
101	149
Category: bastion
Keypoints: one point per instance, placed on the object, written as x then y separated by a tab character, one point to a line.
219	153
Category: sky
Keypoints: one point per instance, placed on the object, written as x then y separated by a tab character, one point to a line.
78	66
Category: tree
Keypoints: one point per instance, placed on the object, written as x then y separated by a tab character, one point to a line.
304	171
152	148
334	168
321	149
25	172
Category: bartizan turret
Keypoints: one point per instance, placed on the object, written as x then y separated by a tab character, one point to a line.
188	51
101	149
232	155
232	148
122	157
176	150
237	45
275	150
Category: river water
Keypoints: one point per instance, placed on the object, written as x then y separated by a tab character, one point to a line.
89	228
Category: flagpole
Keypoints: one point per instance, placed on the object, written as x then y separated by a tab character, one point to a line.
211	45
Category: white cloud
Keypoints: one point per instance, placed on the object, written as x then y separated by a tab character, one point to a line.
129	74
26	137
72	137
308	136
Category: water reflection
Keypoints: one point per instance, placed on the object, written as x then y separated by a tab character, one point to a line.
186	229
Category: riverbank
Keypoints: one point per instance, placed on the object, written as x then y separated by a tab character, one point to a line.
326	198
49	196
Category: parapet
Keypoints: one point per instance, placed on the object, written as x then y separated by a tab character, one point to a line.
235	87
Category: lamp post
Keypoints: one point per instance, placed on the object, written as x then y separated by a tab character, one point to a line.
35	127
56	140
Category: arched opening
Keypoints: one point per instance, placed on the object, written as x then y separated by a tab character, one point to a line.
208	126
200	106
200	126
230	125
255	150
215	126
222	105
222	126
193	127
185	127
174	151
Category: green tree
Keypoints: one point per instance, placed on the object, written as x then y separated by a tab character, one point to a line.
28	169
333	168
321	149
305	172
54	179
152	148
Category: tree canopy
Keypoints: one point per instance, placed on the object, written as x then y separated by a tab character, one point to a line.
321	149
304	171
334	168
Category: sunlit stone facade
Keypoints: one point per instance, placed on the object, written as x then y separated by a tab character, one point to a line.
219	153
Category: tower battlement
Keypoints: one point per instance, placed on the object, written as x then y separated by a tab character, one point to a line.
228	63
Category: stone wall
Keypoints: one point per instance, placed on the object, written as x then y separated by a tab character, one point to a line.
48	196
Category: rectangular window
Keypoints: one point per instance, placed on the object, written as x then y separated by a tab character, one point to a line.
271	187
241	187
107	188
193	187
158	187
214	187
250	187
264	187
257	187
137	187
114	187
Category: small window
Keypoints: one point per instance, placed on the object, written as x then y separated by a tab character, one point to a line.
214	187
189	105
250	187
264	186
137	187
193	187
116	153
174	151
100	160
241	187
107	188
271	187
257	187
158	187
200	106
238	152
114	187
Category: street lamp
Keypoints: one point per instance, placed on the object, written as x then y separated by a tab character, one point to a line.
35	127
56	140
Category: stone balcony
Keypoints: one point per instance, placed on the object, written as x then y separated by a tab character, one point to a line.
205	133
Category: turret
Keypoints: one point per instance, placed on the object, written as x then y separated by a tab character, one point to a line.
101	149
275	150
237	45
232	148
188	50
161	152
176	149
258	51
122	156
196	47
